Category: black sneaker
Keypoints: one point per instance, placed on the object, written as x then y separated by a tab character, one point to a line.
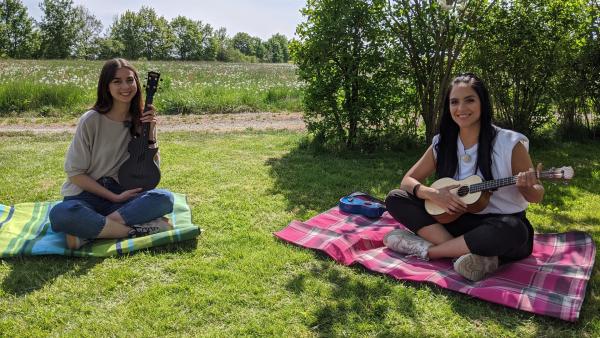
152	227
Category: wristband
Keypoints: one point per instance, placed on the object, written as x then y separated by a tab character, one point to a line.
415	189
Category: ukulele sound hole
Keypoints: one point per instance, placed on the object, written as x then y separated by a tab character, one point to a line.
463	191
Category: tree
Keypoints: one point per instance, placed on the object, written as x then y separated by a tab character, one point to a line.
144	34
218	45
126	31
259	48
17	38
109	48
88	37
277	50
569	88
190	38
58	28
432	35
243	42
156	35
341	54
519	50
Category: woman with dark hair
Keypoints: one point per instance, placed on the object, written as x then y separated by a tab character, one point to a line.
95	205
468	144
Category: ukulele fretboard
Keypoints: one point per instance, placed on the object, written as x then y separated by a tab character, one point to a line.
503	182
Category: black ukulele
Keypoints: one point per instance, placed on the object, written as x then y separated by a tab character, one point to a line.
140	171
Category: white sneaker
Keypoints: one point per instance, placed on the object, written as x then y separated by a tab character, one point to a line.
474	267
406	242
152	227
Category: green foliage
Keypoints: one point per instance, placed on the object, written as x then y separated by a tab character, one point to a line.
109	48
59	28
244	43
276	49
191	38
429	37
143	34
126	30
156	36
521	46
351	84
87	44
17	38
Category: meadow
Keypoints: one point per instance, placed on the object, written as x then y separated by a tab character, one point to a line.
66	88
236	279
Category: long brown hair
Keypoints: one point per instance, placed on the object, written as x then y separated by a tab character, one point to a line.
104	101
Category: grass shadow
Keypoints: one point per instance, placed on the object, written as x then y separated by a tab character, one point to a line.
312	181
28	273
351	299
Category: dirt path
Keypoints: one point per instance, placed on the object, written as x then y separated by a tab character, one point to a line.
207	123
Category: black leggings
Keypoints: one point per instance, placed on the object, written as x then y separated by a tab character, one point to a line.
510	236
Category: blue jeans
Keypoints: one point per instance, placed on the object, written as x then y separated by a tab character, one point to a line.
84	215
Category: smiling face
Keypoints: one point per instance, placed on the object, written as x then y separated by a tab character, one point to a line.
123	86
465	105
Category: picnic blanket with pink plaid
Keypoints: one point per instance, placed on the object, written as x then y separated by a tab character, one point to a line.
552	281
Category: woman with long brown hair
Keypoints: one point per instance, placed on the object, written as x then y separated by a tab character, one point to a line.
95	205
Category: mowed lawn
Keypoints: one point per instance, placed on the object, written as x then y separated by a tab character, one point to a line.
237	279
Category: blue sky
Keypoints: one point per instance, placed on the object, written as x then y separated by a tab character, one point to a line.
261	18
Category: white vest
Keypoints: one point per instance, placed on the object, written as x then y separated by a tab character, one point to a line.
505	200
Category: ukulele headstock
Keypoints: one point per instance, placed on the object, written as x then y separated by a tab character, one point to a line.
152	82
562	173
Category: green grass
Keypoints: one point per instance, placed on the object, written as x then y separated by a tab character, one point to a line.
67	87
237	279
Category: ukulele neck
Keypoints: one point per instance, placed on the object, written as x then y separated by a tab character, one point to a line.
146	125
503	182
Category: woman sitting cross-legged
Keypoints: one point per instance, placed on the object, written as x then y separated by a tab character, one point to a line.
95	205
468	144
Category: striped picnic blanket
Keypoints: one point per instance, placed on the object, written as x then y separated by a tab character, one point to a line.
552	281
25	230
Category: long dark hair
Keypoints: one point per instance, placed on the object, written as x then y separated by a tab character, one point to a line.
104	101
447	159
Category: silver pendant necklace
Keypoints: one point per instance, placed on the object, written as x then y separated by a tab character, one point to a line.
466	157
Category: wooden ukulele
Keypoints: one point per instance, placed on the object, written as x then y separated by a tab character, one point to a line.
476	193
140	171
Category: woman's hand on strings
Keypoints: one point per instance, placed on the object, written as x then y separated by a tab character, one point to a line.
528	179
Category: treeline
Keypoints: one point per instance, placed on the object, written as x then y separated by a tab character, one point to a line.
68	31
377	69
